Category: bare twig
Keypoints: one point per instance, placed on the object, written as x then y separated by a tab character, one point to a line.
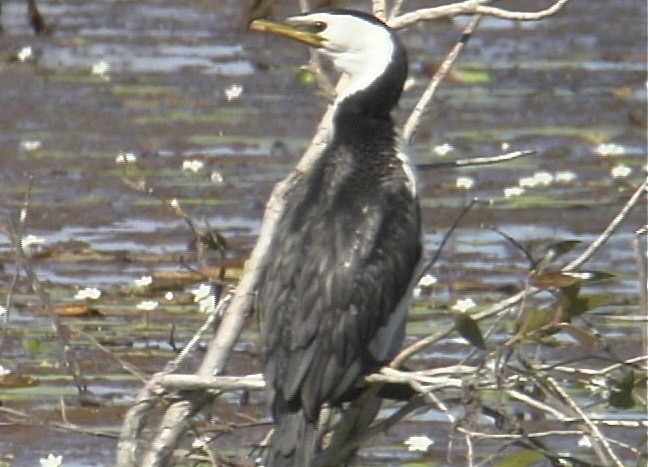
477	161
472	7
422	105
609	230
69	359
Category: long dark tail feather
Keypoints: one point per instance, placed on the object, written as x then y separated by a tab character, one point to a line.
294	442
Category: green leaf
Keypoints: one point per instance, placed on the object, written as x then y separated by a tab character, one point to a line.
621	392
526	457
469	330
533	319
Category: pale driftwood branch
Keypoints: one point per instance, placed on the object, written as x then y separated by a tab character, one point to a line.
395	10
601	372
472	7
433	377
379	9
149	395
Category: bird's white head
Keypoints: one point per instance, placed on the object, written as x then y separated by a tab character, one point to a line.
359	45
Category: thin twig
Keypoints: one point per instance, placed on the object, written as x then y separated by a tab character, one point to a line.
472	7
424	102
69	359
477	161
609	230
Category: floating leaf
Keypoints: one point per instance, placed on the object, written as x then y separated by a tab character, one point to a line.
76	310
621	392
518	458
16	380
471	76
469	330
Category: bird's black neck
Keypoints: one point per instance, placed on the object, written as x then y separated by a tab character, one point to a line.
382	95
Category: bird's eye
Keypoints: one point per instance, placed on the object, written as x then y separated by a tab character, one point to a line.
319	26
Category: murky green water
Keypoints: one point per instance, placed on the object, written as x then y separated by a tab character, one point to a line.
566	87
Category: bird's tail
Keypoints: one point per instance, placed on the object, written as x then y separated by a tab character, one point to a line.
293	443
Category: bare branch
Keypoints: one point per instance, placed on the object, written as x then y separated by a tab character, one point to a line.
379	9
609	230
477	161
422	105
472	7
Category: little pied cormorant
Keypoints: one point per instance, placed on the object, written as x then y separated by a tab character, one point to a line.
334	291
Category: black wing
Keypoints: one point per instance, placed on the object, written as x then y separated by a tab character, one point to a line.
342	261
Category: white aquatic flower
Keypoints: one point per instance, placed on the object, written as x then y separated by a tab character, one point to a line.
201	442
465	182
610	149
147	305
202	291
543	178
584	442
25	54
100	68
233	92
427	280
620	171
192	165
506	146
30	145
52	461
125	158
30	241
168	296
566	176
527	182
88	293
204	297
216	177
443	149
207	305
143	281
174	203
4	371
513	191
409	84
418	443
463	305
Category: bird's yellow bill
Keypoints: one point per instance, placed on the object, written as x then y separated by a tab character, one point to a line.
294	32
